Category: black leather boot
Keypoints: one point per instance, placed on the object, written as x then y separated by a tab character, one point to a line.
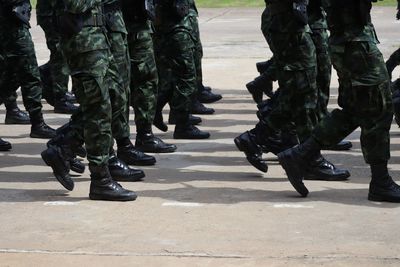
14	115
322	170
247	144
4	145
193	120
63	106
184	130
263	66
158	121
259	86
103	187
121	172
295	162
70	97
40	129
255	92
147	142
199	108
132	156
58	158
341	146
77	165
207	97
385	191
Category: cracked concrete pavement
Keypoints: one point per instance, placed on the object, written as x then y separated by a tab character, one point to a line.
204	205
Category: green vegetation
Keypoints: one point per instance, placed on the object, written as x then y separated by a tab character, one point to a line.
251	3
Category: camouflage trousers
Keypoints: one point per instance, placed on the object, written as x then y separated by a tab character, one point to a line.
58	66
364	98
116	80
177	70
20	66
198	50
324	69
144	76
88	57
297	100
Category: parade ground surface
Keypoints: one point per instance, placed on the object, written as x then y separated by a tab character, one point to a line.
203	205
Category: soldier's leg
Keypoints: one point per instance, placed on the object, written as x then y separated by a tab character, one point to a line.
58	69
118	82
8	96
203	95
144	83
364	96
324	69
21	59
179	54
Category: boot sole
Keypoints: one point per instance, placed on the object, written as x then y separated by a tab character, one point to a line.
33	135
151	150
240	147
11	122
203	113
140	163
342	148
6	147
337	178
110	198
293	174
191	137
379	198
49	162
210	101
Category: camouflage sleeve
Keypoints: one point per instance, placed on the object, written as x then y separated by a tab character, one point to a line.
80	6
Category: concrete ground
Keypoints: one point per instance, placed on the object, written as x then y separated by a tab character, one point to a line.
203	205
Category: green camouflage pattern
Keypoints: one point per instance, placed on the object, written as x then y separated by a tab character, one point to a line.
320	37
364	93
295	67
174	45
88	57
22	69
198	47
144	75
58	66
119	74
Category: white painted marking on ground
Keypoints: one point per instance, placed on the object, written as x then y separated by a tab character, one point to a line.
292	206
59	203
182	204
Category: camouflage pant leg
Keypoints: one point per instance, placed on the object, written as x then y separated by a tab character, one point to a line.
177	54
296	102
58	66
144	76
365	99
20	59
88	71
296	72
118	82
198	51
324	69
